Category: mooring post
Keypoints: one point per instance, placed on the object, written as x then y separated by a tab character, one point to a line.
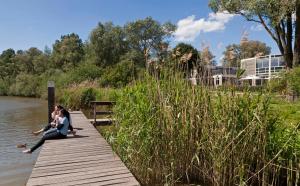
51	99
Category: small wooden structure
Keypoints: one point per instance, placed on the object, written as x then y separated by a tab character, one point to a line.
102	112
86	159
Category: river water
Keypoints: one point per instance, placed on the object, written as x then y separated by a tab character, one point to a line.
18	118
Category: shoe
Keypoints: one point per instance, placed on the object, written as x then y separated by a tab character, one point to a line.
27	151
35	133
21	145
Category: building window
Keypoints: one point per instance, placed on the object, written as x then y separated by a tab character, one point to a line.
217	81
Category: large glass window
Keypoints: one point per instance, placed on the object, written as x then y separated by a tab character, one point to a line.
259	64
274	62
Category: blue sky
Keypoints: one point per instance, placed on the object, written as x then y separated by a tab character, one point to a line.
37	23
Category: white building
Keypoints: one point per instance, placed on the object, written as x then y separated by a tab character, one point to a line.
260	69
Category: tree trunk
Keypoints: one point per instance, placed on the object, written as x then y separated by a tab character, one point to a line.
289	37
296	59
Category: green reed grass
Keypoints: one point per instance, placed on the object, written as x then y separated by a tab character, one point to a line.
170	132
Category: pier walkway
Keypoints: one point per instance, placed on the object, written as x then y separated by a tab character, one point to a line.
86	159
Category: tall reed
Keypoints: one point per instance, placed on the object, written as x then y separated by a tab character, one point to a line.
170	132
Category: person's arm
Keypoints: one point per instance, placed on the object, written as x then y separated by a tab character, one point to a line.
53	114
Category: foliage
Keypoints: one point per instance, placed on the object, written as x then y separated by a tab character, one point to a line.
84	72
207	58
234	53
4	87
287	82
186	56
87	96
26	85
293	79
169	132
108	44
276	18
147	36
278	85
7	64
68	51
120	75
72	62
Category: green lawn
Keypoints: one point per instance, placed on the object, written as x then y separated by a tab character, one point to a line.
289	111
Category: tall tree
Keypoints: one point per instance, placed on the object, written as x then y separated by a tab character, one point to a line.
234	53
147	36
7	64
68	51
207	57
276	17
186	56
107	44
30	62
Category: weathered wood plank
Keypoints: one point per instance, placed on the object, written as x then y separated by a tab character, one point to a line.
103	102
83	160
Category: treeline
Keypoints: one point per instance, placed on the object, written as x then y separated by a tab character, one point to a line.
113	56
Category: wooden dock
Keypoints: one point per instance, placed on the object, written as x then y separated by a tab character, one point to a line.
83	160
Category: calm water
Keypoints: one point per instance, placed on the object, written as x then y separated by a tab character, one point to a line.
18	118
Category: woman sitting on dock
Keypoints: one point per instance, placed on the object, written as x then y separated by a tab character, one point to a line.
54	123
59	132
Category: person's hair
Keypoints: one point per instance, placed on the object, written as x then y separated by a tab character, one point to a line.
65	113
59	107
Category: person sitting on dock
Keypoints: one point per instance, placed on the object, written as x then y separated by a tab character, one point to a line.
59	132
54	123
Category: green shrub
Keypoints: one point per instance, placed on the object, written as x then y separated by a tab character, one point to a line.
26	85
293	79
87	96
4	88
119	75
170	132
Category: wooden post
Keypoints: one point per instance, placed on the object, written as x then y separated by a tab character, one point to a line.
95	116
51	99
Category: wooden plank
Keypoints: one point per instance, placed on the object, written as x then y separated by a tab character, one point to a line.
86	159
104	112
103	103
103	120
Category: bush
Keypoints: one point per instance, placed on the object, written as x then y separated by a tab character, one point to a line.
119	75
170	132
293	79
4	88
26	85
87	96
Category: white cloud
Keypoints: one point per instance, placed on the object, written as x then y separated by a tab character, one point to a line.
189	28
256	28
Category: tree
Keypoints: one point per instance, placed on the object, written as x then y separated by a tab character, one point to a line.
7	64
68	51
147	36
234	53
186	56
107	44
31	61
207	57
276	17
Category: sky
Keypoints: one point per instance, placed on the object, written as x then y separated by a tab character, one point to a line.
38	23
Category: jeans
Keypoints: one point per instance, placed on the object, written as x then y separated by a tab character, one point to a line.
48	136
